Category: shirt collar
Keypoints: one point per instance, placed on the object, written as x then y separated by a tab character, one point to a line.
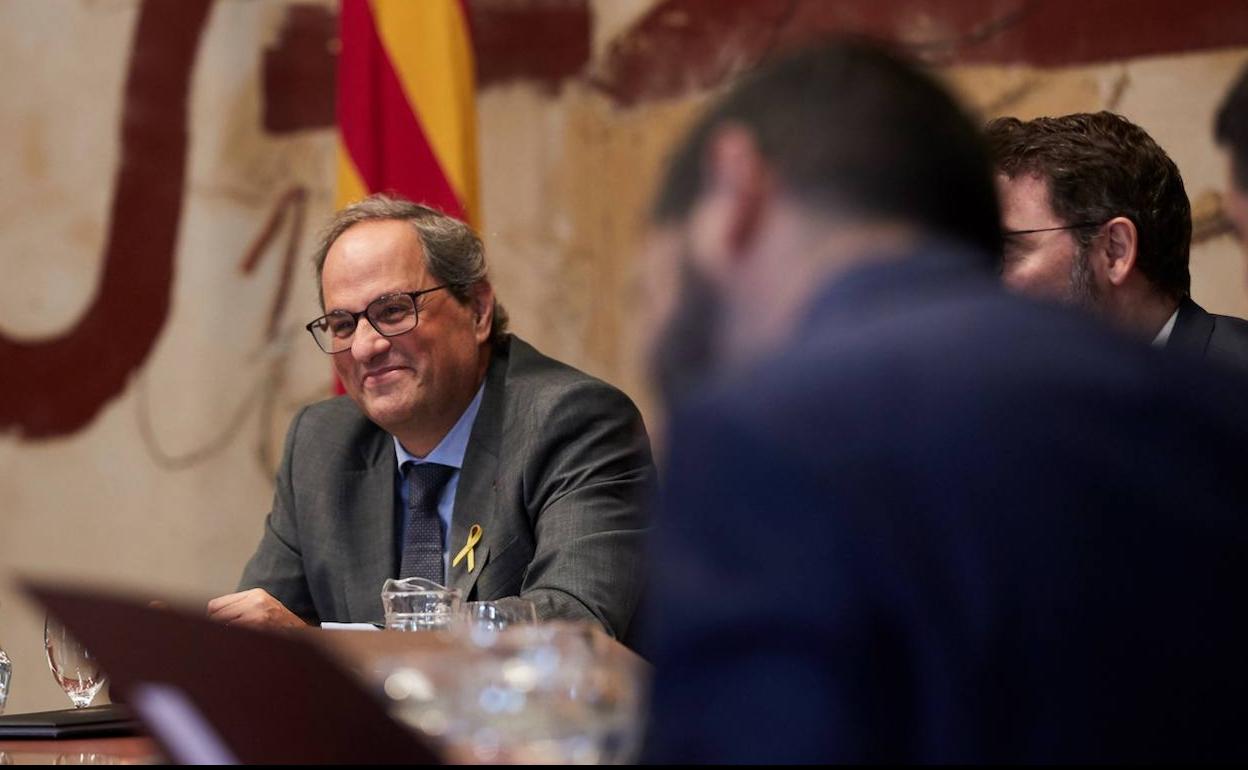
450	450
1163	336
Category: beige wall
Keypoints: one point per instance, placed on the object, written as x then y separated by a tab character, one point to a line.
166	490
174	510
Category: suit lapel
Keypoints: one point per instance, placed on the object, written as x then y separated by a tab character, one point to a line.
1192	329
366	507
477	495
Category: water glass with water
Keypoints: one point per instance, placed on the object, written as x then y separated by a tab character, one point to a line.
417	604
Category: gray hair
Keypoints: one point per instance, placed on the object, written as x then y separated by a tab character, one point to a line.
452	251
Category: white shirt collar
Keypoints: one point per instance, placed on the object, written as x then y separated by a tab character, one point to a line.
1163	336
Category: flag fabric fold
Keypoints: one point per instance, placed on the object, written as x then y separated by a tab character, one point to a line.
406	104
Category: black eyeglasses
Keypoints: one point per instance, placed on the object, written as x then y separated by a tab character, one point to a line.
1051	229
390	314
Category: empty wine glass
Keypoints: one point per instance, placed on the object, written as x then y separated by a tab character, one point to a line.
73	666
6	670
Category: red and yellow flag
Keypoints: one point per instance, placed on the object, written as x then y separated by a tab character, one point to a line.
407	120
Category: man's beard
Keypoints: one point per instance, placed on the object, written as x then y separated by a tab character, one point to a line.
686	352
1083	291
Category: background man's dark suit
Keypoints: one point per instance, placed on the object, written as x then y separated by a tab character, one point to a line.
946	524
1217	337
556	473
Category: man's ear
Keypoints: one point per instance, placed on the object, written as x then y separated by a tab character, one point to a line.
481	298
736	191
1121	250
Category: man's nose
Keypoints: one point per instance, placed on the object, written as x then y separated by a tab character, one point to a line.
367	343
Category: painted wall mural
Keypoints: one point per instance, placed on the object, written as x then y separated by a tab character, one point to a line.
116	333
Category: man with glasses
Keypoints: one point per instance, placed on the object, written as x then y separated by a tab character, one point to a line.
460	455
1230	129
1095	214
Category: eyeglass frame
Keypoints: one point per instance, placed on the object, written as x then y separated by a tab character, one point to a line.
1078	226
355	316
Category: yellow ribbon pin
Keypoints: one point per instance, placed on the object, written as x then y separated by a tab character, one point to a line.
474	537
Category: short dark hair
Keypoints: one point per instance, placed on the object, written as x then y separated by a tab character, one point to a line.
452	251
1230	128
850	126
1098	166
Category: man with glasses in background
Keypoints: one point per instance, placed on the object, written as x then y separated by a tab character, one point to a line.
460	454
1230	129
1095	214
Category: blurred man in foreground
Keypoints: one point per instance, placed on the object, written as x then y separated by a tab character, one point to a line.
1095	214
908	516
1231	131
460	454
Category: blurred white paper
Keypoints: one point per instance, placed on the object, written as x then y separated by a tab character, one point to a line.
349	627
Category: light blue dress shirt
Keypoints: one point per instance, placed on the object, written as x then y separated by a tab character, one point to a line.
449	451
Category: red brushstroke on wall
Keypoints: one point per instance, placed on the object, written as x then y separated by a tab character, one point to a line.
299	70
542	41
684	46
55	387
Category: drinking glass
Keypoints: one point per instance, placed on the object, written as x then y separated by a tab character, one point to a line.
6	671
416	604
541	694
499	614
420	686
73	666
87	758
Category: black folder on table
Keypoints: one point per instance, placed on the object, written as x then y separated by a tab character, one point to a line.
212	694
110	719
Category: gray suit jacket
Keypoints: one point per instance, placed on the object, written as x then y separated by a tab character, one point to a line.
557	472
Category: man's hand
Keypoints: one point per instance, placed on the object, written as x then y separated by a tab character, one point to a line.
253	609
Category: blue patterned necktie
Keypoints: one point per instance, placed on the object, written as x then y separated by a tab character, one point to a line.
422	542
